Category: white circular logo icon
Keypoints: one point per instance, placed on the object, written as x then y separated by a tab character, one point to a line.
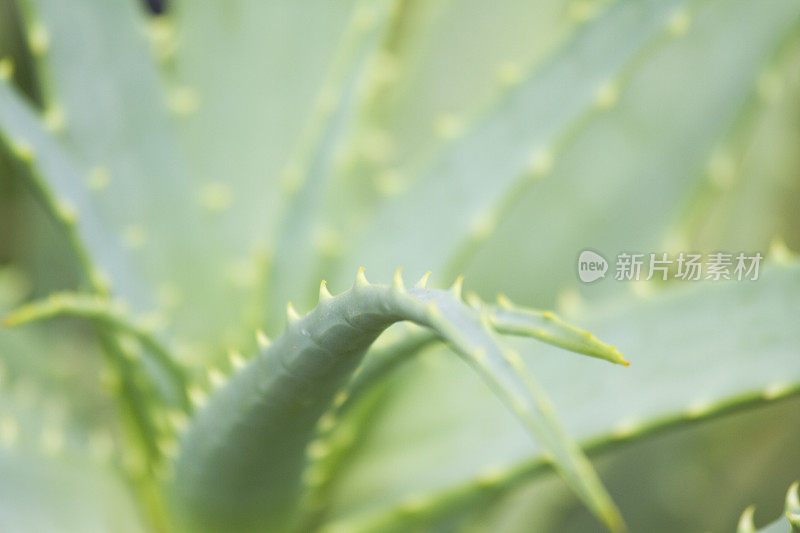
591	266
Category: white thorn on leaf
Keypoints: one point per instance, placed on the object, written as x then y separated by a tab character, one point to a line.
6	68
291	314
134	237
98	178
216	378
23	150
183	101
504	302
236	360
178	420
38	38
457	286
216	197
679	22
326	423
324	293
473	300
54	118
361	279
607	95
197	396
793	498
340	398
262	339
746	524
317	449
778	251
423	281
397	281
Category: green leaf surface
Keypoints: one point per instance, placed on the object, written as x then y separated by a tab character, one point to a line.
240	461
694	352
256	80
130	167
624	179
60	495
58	180
462	187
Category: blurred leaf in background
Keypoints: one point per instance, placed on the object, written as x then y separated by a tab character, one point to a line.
189	167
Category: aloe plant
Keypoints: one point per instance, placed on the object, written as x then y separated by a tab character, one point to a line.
190	174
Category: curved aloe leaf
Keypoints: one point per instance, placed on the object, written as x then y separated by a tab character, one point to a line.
307	174
57	179
241	460
748	170
336	443
506	319
675	378
130	171
100	309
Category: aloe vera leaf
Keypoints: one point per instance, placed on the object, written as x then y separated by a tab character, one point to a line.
122	138
103	311
230	56
65	384
282	393
41	413
607	167
455	187
505	319
405	118
693	353
747	199
42	494
26	138
308	172
339	443
57	474
14	55
60	448
475	52
64	198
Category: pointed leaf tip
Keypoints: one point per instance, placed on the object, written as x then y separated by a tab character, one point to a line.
423	281
324	293
397	281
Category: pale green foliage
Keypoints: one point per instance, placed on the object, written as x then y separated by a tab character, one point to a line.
204	167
